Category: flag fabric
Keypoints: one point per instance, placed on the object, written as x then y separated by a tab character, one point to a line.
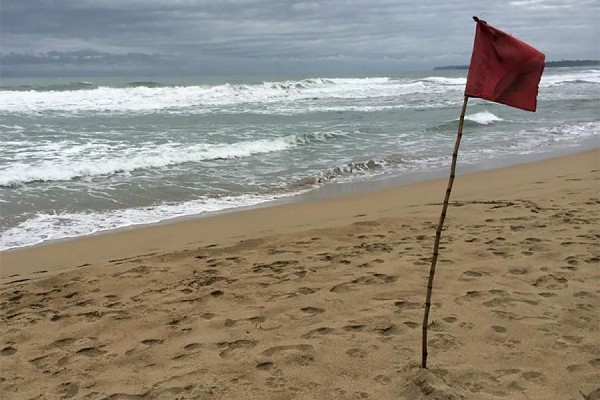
504	69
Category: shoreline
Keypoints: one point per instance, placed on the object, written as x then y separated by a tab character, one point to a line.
336	189
323	299
349	188
133	240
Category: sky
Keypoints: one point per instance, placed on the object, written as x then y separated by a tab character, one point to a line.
183	37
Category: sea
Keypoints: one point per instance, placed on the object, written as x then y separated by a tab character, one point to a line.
81	156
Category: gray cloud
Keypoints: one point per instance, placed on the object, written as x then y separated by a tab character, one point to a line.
237	36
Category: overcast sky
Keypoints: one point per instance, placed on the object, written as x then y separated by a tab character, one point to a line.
143	37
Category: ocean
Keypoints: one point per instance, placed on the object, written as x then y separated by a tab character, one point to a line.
80	156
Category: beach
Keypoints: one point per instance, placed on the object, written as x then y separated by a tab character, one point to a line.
323	299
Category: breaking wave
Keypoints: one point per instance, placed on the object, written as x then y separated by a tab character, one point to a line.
355	168
589	76
149	84
149	96
131	160
483	118
99	159
445	81
479	118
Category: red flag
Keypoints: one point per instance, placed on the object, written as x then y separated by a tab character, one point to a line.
503	68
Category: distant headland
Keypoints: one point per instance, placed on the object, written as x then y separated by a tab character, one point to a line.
549	64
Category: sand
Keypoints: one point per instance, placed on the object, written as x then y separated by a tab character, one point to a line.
323	299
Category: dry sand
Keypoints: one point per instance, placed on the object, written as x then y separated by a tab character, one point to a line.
323	299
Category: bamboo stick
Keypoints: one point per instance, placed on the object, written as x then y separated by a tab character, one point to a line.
438	234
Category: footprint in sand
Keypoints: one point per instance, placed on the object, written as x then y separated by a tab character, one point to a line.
68	389
152	342
90	351
265	365
518	271
467	325
534	376
207	315
313	310
469	276
375	247
573	368
567	340
17	295
356	353
8	351
342	288
190	349
17	281
383	379
292	347
112	301
386	329
402	305
230	347
136	272
386	278
552	282
354	327
63	342
257	319
365	280
297	354
317	332
595	362
572	260
276	267
306	290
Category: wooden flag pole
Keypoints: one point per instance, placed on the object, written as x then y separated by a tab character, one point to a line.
438	233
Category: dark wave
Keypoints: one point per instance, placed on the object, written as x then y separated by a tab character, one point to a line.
303	184
318	137
477	119
351	169
60	87
148	84
443	127
299	85
579	81
347	170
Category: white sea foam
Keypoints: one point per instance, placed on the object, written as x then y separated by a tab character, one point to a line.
205	99
568	132
11	128
446	81
483	118
45	227
65	160
200	99
554	79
